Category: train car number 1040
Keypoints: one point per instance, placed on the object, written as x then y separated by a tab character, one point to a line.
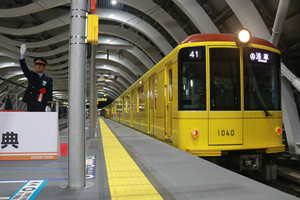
225	132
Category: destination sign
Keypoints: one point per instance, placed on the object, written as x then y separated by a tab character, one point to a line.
260	57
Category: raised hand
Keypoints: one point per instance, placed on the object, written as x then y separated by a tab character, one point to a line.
23	49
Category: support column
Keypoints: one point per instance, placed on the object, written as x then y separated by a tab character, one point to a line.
93	93
76	132
279	21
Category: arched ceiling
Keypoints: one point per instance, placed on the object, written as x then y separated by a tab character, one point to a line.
134	36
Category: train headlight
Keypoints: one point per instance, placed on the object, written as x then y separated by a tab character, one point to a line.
243	36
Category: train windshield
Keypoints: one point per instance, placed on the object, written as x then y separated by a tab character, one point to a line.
225	79
262	80
191	79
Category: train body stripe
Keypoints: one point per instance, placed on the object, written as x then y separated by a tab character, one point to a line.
223	37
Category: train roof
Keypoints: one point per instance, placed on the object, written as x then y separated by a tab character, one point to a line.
223	37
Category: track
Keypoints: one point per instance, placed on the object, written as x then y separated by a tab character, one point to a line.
288	172
288	176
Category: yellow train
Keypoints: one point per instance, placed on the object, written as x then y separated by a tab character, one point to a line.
213	95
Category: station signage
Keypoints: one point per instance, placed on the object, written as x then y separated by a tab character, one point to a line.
30	190
28	136
90	163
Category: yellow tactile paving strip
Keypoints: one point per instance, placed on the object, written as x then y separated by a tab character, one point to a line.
125	179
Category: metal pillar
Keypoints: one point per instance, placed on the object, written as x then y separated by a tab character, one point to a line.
76	175
93	93
279	21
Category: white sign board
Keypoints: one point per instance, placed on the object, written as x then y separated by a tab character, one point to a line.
28	135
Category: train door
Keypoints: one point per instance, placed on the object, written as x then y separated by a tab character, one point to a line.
151	104
168	102
225	116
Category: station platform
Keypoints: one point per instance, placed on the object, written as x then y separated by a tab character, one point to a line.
125	164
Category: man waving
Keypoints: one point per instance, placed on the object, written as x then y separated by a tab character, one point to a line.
38	94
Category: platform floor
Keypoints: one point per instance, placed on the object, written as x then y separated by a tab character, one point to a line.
124	164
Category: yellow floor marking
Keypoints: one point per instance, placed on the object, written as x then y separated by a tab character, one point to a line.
125	179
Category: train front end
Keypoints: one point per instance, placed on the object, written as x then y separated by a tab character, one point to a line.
229	98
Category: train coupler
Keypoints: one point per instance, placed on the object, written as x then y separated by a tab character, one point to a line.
250	162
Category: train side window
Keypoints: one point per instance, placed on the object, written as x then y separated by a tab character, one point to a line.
127	104
225	89
124	105
132	101
141	99
191	79
170	86
137	100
